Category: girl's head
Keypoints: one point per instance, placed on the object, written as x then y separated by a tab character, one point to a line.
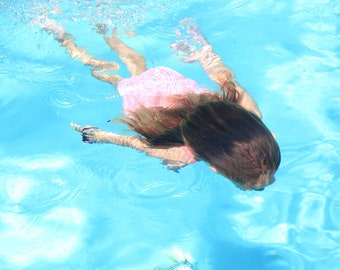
234	141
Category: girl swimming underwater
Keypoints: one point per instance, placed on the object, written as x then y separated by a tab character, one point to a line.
180	121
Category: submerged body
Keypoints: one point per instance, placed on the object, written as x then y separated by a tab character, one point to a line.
180	121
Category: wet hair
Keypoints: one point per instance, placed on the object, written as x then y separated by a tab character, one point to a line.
159	125
217	130
234	141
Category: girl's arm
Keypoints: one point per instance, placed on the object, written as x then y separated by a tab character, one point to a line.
220	73
174	157
215	68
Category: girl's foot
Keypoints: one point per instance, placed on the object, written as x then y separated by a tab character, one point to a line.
51	26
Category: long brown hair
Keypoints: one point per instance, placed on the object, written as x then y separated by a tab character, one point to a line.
154	123
234	141
159	125
219	131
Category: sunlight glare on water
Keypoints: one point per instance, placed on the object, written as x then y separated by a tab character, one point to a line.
40	216
67	205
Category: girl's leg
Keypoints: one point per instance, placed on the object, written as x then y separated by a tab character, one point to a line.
134	61
103	70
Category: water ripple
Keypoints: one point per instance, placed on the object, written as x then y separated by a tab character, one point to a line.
40	212
64	99
36	184
156	183
283	259
334	209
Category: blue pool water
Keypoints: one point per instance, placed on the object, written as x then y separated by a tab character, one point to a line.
66	205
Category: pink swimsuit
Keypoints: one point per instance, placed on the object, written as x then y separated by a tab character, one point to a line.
151	88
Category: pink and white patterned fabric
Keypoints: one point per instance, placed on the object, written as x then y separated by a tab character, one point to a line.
151	88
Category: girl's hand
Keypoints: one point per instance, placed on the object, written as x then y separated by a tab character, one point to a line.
194	48
191	54
88	132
